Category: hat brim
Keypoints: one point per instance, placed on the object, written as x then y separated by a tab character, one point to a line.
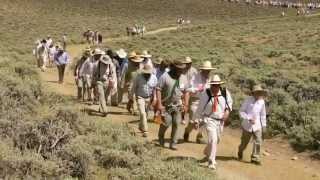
146	56
207	68
264	92
102	53
136	59
216	83
121	54
180	66
146	71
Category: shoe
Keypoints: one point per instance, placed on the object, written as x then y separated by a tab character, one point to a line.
240	156
161	142
212	165
173	146
256	162
186	137
145	134
203	160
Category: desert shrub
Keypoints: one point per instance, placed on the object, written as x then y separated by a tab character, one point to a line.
306	92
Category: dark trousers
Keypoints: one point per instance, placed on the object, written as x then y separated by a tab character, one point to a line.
61	69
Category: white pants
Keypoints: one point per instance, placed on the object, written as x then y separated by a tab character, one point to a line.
214	130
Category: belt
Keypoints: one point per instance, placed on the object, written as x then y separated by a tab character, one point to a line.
145	97
213	118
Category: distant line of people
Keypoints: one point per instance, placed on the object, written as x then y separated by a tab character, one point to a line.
181	97
48	54
93	37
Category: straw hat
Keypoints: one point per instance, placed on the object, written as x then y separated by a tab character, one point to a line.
135	57
121	53
206	65
98	52
147	69
179	64
215	80
187	60
145	54
259	89
106	59
157	61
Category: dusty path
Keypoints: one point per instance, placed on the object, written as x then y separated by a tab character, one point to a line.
277	166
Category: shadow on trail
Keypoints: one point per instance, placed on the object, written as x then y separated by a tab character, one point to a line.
226	158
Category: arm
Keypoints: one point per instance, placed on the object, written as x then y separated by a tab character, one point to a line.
228	108
263	116
242	111
201	107
133	89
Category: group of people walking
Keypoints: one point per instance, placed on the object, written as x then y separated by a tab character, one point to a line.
48	54
179	95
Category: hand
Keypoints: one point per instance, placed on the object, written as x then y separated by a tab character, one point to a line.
160	107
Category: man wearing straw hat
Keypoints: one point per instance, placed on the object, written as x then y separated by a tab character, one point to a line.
61	59
213	110
135	64
143	90
80	73
190	71
106	77
147	58
161	66
199	83
92	66
122	67
172	100
253	116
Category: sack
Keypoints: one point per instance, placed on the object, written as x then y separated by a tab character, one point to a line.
158	119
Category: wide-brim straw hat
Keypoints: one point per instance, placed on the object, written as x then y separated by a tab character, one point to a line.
187	60
157	60
206	65
98	52
215	80
259	89
179	64
135	57
145	54
106	59
147	69
121	53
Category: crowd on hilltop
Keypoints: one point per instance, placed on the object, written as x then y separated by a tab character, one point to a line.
180	95
302	7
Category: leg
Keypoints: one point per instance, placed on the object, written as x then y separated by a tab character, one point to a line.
143	125
163	127
176	126
211	149
63	68
187	131
59	72
257	136
102	99
245	139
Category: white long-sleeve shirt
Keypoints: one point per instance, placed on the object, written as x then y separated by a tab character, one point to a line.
197	85
204	110
253	109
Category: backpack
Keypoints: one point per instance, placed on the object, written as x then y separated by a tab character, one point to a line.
223	94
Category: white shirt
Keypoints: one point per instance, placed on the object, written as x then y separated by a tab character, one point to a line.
205	106
253	109
87	68
142	87
198	84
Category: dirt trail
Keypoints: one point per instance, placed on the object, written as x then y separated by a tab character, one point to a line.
277	166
